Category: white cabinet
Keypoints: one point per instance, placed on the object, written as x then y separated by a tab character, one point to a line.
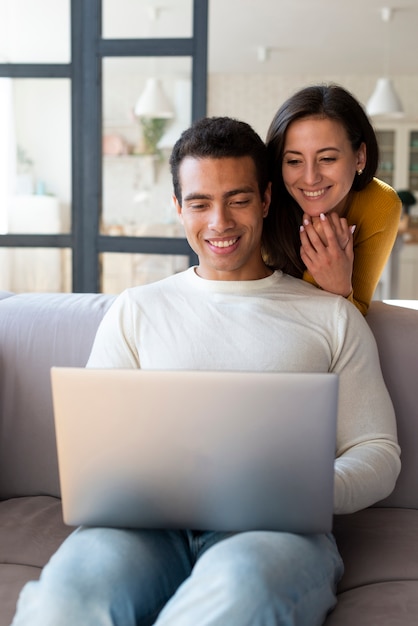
408	273
398	166
387	168
398	145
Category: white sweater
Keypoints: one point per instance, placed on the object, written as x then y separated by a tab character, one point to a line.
277	323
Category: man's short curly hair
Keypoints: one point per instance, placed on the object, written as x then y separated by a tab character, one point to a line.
218	138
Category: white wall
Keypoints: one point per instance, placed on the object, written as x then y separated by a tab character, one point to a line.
255	98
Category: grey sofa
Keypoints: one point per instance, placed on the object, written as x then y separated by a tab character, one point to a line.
379	545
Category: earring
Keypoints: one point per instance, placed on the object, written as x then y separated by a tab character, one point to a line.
360	172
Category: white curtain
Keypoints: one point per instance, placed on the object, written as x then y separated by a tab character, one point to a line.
8	169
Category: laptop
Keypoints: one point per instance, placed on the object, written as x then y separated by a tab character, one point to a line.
228	451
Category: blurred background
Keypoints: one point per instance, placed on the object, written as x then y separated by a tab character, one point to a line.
93	96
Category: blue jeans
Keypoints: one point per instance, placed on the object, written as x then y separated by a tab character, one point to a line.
105	577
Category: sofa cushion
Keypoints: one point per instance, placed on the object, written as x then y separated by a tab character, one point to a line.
36	332
31	529
393	603
380	553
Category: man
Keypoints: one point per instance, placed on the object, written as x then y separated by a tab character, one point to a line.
231	312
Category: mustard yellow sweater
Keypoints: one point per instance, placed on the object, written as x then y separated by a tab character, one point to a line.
376	213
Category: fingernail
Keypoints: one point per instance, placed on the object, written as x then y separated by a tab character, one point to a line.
301	228
353	228
322	217
306	221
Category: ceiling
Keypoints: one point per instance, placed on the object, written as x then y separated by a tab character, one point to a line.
318	37
311	37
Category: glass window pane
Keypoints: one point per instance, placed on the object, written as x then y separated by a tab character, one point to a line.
137	185
121	271
35	31
130	19
35	156
35	270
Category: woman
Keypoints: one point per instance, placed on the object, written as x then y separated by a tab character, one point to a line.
331	222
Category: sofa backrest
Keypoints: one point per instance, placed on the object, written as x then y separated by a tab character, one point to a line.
396	331
41	330
36	332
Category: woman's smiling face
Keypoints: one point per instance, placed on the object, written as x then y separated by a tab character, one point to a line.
319	164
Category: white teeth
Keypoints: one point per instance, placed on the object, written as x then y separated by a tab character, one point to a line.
224	243
314	194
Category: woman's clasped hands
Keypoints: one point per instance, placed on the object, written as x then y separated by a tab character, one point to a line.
327	251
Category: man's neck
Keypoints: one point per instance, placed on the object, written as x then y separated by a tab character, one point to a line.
263	272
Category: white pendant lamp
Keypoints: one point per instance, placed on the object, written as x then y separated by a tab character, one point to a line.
182	99
153	102
384	101
153	111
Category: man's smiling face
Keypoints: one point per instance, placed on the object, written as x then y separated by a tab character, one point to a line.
222	214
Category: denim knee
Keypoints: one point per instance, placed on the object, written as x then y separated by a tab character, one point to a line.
274	578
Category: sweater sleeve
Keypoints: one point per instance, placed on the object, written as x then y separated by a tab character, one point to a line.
376	211
114	344
367	456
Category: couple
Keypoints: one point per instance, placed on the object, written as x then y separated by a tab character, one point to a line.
231	312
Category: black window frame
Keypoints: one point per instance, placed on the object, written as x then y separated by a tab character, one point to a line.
88	49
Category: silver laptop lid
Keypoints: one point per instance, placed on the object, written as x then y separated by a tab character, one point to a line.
200	450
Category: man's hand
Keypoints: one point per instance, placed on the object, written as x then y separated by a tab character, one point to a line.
327	251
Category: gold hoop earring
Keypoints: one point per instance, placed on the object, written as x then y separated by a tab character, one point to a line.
360	172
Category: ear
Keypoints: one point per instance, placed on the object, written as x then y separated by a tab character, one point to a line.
361	157
266	200
177	206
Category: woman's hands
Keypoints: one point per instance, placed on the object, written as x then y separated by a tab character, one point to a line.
327	251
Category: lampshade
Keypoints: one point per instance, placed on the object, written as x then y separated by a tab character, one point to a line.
182	98
384	101
153	102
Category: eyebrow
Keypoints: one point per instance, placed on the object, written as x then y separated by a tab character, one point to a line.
321	150
228	194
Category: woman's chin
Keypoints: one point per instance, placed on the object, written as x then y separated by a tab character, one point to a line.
316	212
